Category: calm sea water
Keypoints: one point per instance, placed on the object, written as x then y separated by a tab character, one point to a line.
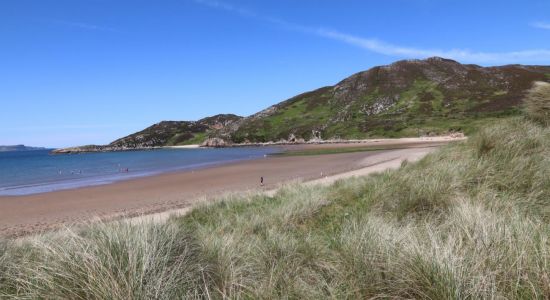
30	172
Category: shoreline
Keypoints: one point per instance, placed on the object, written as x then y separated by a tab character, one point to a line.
22	215
52	187
195	146
370	165
103	148
310	148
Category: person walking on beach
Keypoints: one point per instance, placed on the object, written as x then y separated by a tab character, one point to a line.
261	180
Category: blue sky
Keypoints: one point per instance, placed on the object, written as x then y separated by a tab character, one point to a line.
89	71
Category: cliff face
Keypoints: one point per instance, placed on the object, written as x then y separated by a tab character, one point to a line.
428	95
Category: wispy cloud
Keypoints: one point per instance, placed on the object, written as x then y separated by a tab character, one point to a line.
85	26
226	6
458	54
541	25
389	49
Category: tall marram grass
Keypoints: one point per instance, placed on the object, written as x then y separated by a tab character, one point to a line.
537	103
114	261
471	221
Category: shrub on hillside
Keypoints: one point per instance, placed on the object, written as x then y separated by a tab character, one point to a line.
537	103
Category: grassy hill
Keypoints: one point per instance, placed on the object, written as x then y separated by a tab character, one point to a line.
469	221
406	98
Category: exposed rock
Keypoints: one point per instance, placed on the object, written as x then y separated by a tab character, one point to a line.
215	143
291	138
457	135
315	136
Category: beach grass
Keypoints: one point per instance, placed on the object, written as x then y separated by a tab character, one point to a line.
537	104
471	220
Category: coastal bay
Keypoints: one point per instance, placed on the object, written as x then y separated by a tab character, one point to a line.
152	194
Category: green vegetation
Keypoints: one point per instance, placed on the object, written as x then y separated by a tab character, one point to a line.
410	117
421	98
322	151
405	99
437	126
302	116
197	139
469	221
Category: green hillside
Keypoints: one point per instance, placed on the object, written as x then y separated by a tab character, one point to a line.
407	98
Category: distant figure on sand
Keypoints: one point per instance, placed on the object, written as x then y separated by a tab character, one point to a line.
261	180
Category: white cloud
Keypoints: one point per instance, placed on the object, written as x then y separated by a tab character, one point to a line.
458	54
385	48
541	25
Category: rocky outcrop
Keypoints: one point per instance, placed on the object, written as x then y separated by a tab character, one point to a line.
215	143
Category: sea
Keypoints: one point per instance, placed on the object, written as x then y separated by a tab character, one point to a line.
31	172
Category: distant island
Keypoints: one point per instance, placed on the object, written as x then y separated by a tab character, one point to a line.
19	148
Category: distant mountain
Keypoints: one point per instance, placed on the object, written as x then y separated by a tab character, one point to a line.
406	98
19	148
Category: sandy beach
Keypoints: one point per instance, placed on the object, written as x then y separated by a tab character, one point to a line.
160	193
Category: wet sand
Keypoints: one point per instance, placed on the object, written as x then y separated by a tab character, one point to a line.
21	215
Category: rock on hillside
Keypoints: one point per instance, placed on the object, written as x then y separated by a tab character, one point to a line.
405	98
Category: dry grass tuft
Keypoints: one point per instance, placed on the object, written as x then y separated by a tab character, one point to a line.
537	103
